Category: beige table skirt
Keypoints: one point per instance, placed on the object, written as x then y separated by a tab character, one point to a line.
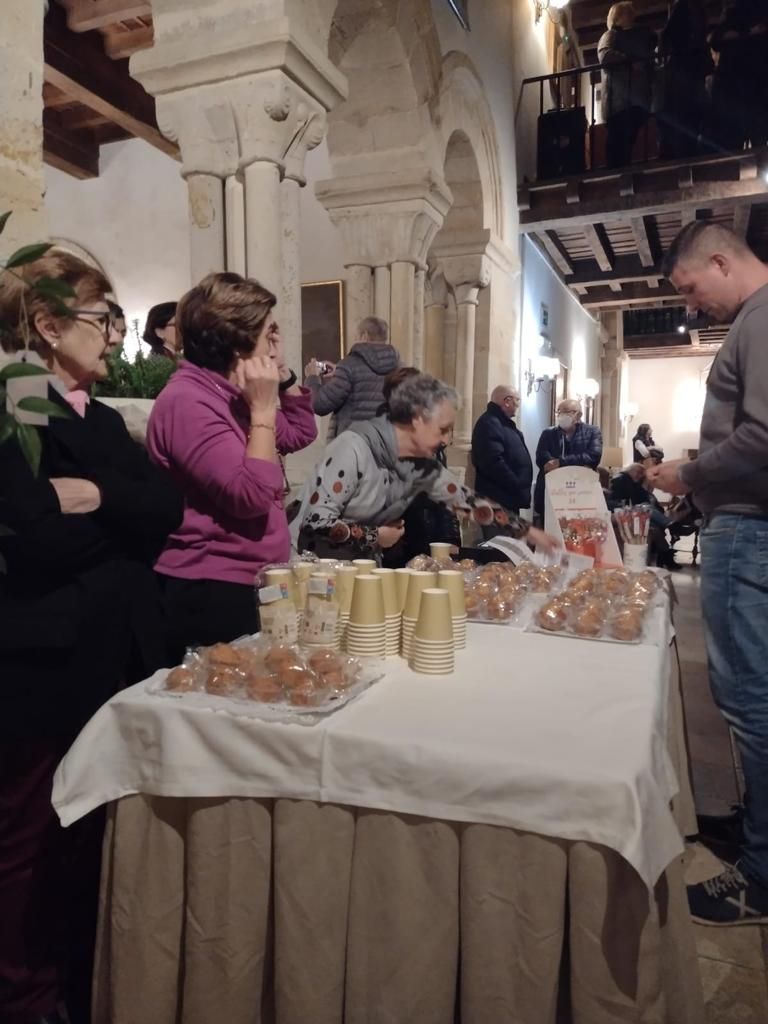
241	911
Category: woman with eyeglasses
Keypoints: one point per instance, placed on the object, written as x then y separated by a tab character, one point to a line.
80	618
219	427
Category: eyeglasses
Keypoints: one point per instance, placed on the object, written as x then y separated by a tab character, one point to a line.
104	321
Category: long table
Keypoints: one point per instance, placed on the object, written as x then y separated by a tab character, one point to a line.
501	845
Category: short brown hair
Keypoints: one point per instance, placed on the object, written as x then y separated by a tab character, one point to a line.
374	328
700	239
18	295
220	319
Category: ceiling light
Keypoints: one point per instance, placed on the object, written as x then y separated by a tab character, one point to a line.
681	328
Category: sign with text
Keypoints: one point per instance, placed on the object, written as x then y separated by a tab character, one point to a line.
575	512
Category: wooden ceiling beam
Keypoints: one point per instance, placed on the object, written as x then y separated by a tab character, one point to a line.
634	294
642	241
118	45
75	153
671	351
84	15
600	246
78	66
741	216
625	269
555	251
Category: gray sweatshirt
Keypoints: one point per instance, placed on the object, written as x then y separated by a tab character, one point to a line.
356	389
731	471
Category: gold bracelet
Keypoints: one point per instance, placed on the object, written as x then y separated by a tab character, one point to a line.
263	426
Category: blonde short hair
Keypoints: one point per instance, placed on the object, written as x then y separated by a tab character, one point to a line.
616	12
374	328
20	302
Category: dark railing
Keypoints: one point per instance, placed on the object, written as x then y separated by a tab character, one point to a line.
571	138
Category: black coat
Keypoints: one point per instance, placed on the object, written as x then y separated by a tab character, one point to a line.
503	467
80	612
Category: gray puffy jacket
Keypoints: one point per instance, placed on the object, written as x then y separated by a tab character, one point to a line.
356	389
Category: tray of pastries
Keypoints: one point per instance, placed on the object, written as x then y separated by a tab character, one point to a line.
502	593
263	679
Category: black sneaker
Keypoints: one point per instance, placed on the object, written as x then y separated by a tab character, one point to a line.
729	898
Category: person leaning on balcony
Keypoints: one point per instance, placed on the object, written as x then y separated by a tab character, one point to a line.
625	52
80	618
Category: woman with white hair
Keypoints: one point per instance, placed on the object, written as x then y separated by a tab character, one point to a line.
625	52
353	504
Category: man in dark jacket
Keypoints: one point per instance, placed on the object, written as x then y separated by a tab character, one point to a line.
354	389
503	467
569	443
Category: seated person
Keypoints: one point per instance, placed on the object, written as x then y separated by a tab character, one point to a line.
628	488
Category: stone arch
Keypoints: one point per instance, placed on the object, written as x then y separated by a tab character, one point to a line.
461	107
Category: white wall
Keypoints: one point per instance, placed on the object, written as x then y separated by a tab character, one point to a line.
674	410
132	218
573	333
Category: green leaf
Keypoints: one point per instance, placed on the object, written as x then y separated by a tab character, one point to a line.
4	219
32	403
54	288
27	254
23	370
31	445
7	427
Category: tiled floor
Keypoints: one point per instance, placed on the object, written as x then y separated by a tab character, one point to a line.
733	961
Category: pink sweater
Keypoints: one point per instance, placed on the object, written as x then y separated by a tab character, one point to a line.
234	521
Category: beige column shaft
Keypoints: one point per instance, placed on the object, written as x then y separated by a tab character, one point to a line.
434	347
289	303
382	293
234	204
263	228
449	341
401	317
466	303
206	225
22	182
418	318
359	299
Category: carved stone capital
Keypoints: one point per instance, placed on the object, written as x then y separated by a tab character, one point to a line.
470	271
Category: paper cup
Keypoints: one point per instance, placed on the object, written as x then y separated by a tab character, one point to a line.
281	577
367	606
635	556
365	564
401	585
440	551
453	581
389	588
345	585
417	582
434	621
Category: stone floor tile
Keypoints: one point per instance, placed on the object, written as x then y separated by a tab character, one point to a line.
742	946
733	994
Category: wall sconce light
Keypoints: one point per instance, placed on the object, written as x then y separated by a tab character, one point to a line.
631	409
591	388
543	374
552	7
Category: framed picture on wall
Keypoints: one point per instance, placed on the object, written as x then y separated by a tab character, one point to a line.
322	321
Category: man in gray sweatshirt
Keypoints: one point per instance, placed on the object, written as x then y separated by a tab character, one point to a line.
722	278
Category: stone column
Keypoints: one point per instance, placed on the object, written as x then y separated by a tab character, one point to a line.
234	204
418	317
402	305
610	379
382	293
263	227
289	302
22	182
359	299
466	309
206	225
449	342
434	326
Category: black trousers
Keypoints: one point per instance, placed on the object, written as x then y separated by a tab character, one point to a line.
623	129
204	612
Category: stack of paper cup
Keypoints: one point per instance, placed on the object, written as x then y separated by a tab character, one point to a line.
319	626
345	581
326	565
365	564
301	573
401	585
392	614
432	648
417	582
453	581
440	552
366	630
284	579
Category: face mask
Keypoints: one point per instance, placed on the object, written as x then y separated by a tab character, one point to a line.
565	421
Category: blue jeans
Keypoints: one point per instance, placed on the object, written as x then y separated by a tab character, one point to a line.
734	598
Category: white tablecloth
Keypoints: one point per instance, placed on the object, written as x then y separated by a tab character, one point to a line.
566	738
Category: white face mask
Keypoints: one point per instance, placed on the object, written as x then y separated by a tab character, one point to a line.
565	421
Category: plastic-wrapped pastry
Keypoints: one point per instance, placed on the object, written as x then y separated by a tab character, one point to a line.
224	656
616	583
279	656
181	680
583	584
485	588
552	615
588	620
497	608
541	583
264	687
294	676
421	563
474	604
627	624
307	694
224	682
466	565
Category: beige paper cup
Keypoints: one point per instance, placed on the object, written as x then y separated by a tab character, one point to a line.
345	585
440	551
276	577
367	606
301	573
401	584
365	564
391	605
434	621
453	581
417	582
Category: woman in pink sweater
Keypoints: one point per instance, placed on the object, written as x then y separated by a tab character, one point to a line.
219	427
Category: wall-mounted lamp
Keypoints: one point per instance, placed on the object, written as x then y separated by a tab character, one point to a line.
552	7
631	409
542	374
590	388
